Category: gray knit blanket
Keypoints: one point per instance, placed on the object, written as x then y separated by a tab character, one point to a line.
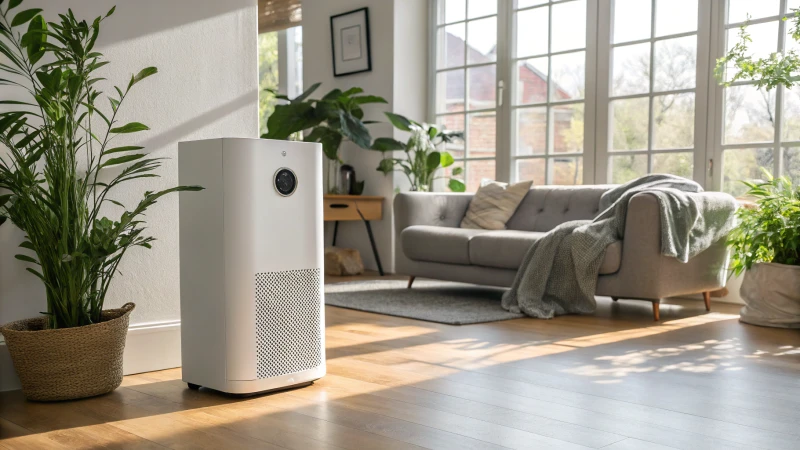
559	273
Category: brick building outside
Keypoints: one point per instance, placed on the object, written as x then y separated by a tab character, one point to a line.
482	125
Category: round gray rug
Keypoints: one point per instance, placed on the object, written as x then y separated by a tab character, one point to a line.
432	301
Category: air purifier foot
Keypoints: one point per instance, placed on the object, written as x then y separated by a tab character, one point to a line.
193	386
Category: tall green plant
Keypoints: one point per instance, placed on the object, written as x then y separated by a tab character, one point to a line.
422	160
61	169
769	232
777	69
336	116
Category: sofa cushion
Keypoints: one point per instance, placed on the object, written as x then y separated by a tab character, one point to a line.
438	244
612	260
545	207
503	249
507	248
494	204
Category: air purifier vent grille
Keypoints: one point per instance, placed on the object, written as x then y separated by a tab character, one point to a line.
288	322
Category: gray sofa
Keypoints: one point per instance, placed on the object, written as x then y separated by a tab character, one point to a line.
430	244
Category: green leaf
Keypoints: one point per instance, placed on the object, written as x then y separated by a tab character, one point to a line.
365	99
289	119
144	73
35	38
24	16
28	139
111	11
355	130
26	259
352	91
125	148
447	159
433	161
331	141
7	120
333	95
384	144
122	160
457	171
36	272
3	219
4	199
456	185
14	102
386	166
13	4
132	127
399	122
306	93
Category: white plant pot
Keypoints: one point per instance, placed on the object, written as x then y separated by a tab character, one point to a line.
771	293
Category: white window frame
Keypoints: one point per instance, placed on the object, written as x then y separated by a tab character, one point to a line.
589	100
436	9
288	72
717	97
709	115
605	64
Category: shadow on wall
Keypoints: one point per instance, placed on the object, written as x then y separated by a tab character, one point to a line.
170	14
185	129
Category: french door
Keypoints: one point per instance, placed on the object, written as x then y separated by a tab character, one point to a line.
604	91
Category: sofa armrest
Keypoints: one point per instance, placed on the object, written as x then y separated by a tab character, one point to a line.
424	208
645	273
443	209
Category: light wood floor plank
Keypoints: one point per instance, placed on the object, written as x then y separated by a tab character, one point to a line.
611	380
684	397
622	409
356	396
577	415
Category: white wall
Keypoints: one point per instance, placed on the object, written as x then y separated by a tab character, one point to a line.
398	30
206	87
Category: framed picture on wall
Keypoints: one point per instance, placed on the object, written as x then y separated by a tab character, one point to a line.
350	42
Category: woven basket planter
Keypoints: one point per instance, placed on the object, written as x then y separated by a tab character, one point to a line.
68	363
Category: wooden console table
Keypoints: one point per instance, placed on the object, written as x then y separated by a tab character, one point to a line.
354	207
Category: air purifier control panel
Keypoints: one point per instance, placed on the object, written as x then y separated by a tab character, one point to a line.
285	181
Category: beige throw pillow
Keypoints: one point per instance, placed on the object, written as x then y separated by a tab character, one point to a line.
494	204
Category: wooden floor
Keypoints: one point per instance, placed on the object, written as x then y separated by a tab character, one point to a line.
614	380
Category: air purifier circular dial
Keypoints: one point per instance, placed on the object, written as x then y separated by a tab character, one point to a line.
285	181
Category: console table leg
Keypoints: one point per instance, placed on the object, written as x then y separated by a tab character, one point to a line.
374	249
335	231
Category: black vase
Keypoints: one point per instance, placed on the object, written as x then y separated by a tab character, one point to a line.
347	179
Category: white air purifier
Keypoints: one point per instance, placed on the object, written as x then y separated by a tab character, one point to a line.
251	248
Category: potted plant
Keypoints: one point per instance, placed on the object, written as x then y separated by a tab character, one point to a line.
422	159
766	247
57	181
766	242
337	116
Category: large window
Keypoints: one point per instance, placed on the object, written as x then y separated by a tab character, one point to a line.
758	129
466	79
603	91
651	90
548	91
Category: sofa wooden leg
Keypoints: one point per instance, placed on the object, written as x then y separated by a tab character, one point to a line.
707	299
410	281
656	315
613	299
